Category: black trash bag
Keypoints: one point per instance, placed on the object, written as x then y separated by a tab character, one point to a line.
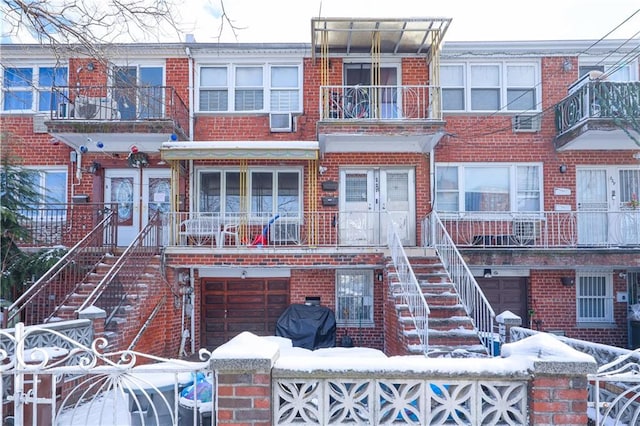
310	327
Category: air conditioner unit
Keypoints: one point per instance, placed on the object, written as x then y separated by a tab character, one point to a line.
86	107
283	233
281	122
525	231
525	123
39	125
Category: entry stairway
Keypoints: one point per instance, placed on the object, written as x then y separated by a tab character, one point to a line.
451	332
127	310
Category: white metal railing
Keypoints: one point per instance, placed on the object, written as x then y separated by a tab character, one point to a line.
562	229
469	292
76	383
615	388
308	229
411	291
370	102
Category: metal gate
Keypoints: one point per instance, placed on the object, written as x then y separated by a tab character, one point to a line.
614	392
48	378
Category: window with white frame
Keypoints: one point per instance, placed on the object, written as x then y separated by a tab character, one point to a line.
488	187
496	86
243	88
615	72
30	88
594	297
270	192
50	186
354	297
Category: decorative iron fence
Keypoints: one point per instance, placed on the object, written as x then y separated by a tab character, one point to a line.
380	103
66	382
598	99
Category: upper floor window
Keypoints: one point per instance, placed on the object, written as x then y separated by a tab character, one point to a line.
508	86
488	188
619	73
244	88
138	91
29	88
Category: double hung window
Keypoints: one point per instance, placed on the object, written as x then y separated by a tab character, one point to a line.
30	88
500	86
250	88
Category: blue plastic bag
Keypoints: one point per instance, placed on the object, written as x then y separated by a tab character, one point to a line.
200	388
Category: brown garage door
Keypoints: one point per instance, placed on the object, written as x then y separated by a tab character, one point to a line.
231	306
506	294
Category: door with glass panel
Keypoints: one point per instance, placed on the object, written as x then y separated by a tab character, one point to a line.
379	101
138	92
138	194
373	199
608	208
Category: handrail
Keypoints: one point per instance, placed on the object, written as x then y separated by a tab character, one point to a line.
38	303
411	290
469	292
117	283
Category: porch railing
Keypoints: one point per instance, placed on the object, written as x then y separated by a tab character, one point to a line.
412	293
419	102
598	99
41	302
308	229
119	103
561	229
112	291
470	293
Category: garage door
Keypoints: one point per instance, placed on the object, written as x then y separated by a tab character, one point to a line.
506	294
232	305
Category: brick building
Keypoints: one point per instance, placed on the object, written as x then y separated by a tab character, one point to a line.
280	168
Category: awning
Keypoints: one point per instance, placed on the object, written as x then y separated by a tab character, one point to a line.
240	150
364	143
406	36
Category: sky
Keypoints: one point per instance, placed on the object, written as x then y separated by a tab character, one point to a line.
491	20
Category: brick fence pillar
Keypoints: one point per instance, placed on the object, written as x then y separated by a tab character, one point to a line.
243	380
558	393
506	320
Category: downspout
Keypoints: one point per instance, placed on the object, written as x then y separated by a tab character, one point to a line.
191	119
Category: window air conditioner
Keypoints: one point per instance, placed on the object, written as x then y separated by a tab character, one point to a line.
525	231
283	232
281	122
525	123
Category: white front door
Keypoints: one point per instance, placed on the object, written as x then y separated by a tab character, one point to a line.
608	210
369	199
138	193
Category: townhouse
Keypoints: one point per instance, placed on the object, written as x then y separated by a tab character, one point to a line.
279	174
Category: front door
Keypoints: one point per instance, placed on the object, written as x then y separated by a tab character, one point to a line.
608	209
138	193
371	199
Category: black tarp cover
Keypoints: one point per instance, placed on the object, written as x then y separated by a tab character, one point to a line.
308	326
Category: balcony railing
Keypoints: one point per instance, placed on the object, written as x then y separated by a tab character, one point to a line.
380	103
119	103
598	99
308	229
570	229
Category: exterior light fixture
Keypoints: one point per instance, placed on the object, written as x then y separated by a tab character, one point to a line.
487	273
563	168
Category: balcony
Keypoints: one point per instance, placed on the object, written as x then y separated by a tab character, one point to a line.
118	113
598	115
380	119
573	229
293	231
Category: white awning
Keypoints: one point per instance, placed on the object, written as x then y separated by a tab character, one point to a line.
240	150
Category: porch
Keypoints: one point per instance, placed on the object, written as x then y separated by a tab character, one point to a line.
547	229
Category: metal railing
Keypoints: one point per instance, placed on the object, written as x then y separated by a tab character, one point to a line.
412	293
469	292
112	291
380	103
549	229
307	229
43	300
598	99
119	103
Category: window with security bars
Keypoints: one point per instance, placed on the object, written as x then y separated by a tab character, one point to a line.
594	298
354	298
